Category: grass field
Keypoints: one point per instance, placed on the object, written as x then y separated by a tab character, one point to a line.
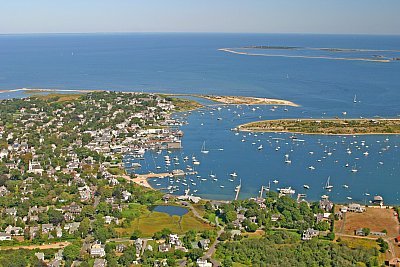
358	242
150	222
58	97
375	219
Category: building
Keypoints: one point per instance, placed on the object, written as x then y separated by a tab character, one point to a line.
203	263
100	263
378	200
164	247
309	234
354	207
97	250
5	237
204	244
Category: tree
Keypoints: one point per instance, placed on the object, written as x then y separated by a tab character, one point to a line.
55	217
71	252
225	236
230	216
84	227
194	254
366	231
128	257
331	236
227	262
136	234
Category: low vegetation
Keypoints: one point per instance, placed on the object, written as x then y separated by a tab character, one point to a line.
331	126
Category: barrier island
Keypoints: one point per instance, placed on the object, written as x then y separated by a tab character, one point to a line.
326	126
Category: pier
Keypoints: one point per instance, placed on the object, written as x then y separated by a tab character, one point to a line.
237	189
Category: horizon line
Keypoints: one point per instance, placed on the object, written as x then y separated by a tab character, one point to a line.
195	32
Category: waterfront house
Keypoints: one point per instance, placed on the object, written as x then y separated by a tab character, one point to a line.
326	204
378	200
355	207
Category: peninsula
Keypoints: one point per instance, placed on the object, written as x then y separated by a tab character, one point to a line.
246	100
326	126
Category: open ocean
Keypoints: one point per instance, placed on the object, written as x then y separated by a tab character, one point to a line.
191	63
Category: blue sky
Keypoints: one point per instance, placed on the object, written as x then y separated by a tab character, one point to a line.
264	16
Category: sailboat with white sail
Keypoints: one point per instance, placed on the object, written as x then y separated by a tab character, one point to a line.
328	186
203	148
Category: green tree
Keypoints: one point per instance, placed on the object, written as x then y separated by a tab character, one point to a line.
128	257
84	227
71	252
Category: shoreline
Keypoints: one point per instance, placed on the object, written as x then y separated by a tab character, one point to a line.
245	127
230	50
223	100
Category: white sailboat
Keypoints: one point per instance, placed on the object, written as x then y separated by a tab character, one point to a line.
203	148
355	99
287	160
354	169
327	185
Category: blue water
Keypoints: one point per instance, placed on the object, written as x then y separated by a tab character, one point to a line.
191	63
171	210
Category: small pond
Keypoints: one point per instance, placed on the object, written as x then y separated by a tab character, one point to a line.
171	210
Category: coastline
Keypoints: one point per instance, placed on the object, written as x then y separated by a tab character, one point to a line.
246	127
230	50
224	100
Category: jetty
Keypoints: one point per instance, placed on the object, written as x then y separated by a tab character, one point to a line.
237	190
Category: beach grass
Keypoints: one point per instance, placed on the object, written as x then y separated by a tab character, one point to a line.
326	126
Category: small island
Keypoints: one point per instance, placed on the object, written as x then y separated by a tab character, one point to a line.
326	126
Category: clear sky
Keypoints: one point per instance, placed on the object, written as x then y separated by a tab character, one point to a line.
264	16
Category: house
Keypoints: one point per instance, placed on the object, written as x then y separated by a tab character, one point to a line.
71	227
40	256
325	204
203	263
126	195
360	232
174	240
355	207
34	167
120	248
97	250
378	200
11	211
381	234
164	247
204	244
235	232
3	191
100	263
13	230
47	228
5	236
309	234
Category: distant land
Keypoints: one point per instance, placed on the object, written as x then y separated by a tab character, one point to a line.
326	126
371	55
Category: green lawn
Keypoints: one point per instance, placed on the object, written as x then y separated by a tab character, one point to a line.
150	222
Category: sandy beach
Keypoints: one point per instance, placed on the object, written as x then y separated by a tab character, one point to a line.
247	100
232	51
141	179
